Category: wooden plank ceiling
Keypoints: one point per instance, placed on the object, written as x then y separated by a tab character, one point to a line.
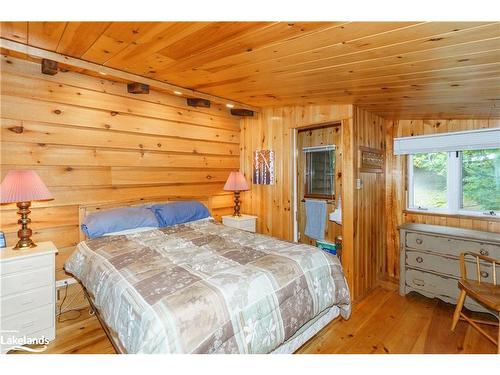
394	69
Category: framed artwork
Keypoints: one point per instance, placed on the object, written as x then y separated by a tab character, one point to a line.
263	167
371	160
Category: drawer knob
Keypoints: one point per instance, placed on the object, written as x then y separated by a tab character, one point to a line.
418	282
419	241
484	252
420	259
484	274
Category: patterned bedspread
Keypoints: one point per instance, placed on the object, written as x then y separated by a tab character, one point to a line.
203	287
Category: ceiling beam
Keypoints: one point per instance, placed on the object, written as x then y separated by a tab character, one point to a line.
116	73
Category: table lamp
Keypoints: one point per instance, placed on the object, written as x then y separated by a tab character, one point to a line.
22	187
236	182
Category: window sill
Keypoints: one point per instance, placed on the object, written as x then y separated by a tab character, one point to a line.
458	216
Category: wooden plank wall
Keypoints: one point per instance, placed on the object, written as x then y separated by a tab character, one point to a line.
364	242
369	202
273	130
396	184
92	142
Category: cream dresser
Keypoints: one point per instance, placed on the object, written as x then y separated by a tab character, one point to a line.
429	261
244	222
27	293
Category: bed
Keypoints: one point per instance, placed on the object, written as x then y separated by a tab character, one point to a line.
202	287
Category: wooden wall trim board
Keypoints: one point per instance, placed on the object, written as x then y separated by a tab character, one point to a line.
92	142
112	72
348	206
395	187
30	69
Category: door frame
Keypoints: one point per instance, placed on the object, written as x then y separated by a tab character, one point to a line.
295	156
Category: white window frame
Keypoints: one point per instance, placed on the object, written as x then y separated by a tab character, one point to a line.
410	198
453	190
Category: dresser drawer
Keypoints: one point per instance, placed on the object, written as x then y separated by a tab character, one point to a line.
28	263
449	265
31	321
449	246
35	298
437	286
25	281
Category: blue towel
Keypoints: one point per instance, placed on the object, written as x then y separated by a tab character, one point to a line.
315	219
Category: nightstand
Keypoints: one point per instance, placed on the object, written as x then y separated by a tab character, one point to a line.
27	294
244	222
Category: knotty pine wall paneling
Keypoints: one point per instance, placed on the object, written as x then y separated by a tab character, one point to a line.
362	225
273	129
369	202
91	142
395	192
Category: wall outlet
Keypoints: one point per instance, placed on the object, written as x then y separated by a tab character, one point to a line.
64	282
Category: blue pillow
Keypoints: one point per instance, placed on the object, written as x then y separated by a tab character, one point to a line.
100	223
179	212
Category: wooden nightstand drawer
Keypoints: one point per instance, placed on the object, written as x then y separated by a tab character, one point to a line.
248	225
31	321
24	264
27	288
243	222
33	299
25	281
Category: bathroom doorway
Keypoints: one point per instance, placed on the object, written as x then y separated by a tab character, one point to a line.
318	175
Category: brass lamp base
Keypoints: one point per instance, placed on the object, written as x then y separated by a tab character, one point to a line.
236	204
24	233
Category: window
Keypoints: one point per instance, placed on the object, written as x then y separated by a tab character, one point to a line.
320	172
429	182
457	182
480	176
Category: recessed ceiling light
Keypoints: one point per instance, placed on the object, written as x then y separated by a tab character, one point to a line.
102	73
230	105
177	93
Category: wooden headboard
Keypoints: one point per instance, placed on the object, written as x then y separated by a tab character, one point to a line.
88	209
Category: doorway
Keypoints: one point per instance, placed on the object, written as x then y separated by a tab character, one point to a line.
318	174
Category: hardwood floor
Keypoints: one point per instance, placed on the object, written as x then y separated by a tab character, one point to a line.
383	322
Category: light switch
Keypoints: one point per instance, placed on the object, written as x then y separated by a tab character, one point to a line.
359	183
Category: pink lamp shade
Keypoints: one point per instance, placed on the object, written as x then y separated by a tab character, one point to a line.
23	186
236	182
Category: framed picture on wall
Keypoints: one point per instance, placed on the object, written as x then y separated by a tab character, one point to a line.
371	160
263	167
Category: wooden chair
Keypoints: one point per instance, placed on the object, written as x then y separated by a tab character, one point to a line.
487	294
